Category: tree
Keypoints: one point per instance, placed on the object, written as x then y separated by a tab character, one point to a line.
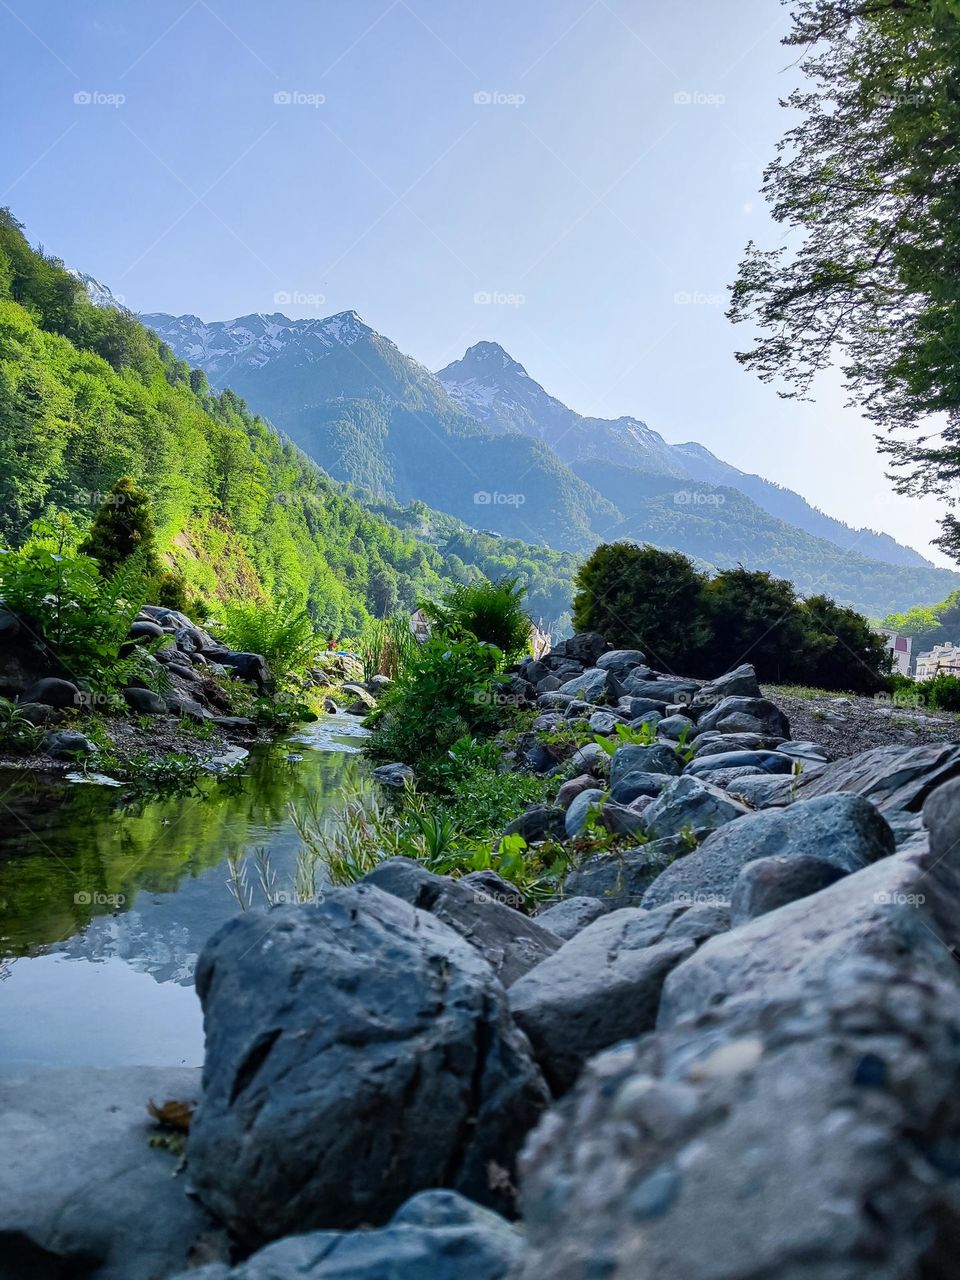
123	527
757	618
850	654
645	598
867	180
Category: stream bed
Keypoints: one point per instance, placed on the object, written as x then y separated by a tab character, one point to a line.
107	900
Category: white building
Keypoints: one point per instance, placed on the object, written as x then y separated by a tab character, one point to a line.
943	658
900	647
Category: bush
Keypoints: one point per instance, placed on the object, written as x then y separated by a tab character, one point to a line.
942	693
449	691
490	611
387	646
282	632
81	618
644	598
123	527
657	601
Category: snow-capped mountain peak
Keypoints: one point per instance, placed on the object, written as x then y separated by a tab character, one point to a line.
98	293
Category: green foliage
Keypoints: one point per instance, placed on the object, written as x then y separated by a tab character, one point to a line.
281	632
942	693
449	691
489	611
79	618
123	527
387	646
479	793
17	732
933	624
864	184
645	736
643	597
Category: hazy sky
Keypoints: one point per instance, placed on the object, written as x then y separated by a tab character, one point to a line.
575	179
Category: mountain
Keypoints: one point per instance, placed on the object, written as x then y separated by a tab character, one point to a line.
87	394
98	293
496	390
374	417
485	442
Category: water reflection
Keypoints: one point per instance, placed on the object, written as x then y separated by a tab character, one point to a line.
105	900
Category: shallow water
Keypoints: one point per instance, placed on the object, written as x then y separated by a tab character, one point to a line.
106	901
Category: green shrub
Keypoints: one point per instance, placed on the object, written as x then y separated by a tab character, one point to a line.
490	611
387	646
449	691
281	632
79	617
942	693
123	527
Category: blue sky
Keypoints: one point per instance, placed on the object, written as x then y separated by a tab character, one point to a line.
589	166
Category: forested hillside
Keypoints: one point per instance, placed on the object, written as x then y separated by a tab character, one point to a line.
88	394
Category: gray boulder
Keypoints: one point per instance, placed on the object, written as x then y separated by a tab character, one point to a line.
541	822
621	661
668	689
600	987
576	815
604	722
82	1191
395	775
637	783
53	692
798	1136
511	943
712	742
676	727
585	647
438	1235
357	1051
568	916
769	883
761	761
67	744
621	878
634	758
741	682
590	758
902	908
636	707
746	715
144	702
549	684
594	686
570	789
652	718
691	803
894	777
145	632
845	831
805	752
489	886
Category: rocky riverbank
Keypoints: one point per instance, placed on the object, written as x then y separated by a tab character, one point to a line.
728	1048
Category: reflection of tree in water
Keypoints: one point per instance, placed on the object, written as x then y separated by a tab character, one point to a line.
145	879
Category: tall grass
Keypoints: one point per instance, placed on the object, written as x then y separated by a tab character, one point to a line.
388	647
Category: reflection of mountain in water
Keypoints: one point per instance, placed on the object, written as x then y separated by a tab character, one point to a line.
91	875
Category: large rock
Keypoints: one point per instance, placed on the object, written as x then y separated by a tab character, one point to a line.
761	761
438	1235
54	692
635	758
511	943
585	647
893	778
568	916
668	689
769	883
575	818
600	987
637	783
621	878
358	1051
713	742
593	686
845	831
540	822
621	661
144	702
691	803
800	1136
746	715
902	909
82	1191
741	682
